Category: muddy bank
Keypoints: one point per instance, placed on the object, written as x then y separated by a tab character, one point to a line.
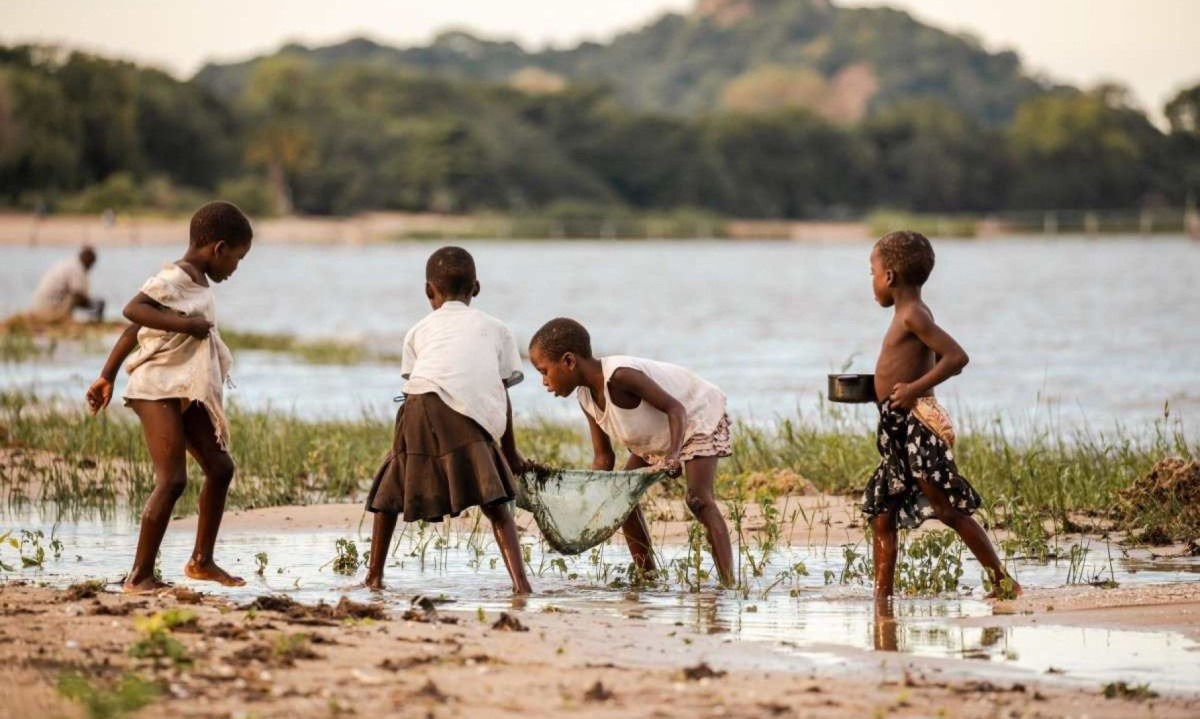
280	660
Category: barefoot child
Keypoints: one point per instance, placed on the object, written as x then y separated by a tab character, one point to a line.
917	477
175	388
664	414
458	363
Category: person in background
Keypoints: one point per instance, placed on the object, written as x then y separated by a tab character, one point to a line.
64	289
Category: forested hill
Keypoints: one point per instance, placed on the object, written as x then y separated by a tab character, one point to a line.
741	55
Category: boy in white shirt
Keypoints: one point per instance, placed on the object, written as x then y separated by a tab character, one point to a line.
458	364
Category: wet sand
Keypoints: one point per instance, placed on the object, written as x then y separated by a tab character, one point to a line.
564	665
570	662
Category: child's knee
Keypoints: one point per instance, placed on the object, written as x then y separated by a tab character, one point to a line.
173	485
698	504
222	471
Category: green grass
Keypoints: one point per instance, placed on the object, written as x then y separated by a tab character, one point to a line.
311	351
1046	475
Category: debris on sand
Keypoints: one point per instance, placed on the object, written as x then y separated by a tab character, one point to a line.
598	693
321	614
287	649
271	603
509	623
1164	505
702	671
424	610
185	595
430	691
118	609
83	590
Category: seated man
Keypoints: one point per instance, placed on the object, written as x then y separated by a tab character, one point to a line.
64	288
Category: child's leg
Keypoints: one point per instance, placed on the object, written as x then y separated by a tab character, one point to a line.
635	529
701	474
883	533
381	542
972	534
218	470
162	424
505	531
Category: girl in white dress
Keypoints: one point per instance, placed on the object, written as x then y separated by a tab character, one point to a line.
664	414
176	380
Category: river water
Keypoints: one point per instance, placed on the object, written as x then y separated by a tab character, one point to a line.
1069	331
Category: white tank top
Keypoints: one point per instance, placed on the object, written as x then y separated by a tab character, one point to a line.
644	429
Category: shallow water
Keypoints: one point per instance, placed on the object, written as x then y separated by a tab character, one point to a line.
1072	331
800	621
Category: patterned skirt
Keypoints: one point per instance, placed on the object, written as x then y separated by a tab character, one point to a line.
441	463
718	443
912	445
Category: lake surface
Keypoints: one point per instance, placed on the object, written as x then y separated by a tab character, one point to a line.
1070	331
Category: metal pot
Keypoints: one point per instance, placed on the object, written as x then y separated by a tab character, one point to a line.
856	388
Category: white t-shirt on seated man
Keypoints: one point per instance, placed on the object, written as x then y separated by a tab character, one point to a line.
64	287
468	358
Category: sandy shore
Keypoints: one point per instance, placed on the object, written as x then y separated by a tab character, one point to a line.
445	664
370	227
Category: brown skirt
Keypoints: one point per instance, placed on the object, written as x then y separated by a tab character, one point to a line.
441	463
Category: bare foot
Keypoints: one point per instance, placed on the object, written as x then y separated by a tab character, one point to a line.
210	572
148	585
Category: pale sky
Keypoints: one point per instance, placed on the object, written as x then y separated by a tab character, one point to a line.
1148	45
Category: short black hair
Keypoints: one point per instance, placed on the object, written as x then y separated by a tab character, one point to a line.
451	270
560	336
908	254
220	221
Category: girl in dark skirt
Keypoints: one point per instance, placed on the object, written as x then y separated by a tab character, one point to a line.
458	363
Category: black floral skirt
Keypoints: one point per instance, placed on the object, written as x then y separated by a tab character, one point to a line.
910	450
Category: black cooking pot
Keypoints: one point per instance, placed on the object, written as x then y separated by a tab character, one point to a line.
856	388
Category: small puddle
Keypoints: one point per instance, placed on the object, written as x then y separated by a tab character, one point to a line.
796	614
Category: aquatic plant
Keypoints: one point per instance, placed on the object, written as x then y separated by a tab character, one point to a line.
930	564
346	560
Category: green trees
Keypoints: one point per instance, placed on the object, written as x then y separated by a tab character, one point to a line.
291	133
1083	150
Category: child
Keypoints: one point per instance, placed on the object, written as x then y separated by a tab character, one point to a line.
666	415
458	363
916	478
175	388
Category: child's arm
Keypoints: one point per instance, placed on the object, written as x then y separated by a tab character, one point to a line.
951	358
101	391
634	382
603	456
144	311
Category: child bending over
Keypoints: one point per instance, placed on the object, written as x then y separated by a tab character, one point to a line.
666	415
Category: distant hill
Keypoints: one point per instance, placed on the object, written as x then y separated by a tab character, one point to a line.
744	55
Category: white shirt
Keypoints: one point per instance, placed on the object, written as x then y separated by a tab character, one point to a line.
468	358
60	282
645	430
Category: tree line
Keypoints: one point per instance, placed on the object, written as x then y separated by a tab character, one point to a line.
81	132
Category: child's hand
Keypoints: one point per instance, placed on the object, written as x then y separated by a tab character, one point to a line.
197	327
903	396
672	465
99	395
